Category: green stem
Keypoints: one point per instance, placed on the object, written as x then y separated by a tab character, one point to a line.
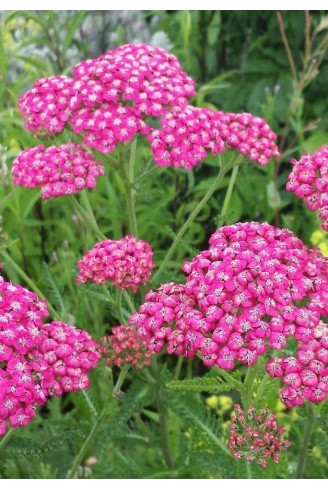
261	388
89	218
90	404
123	374
129	301
87	205
119	307
127	173
247	390
30	283
304	446
178	367
163	417
229	379
190	220
144	175
78	459
228	195
6	438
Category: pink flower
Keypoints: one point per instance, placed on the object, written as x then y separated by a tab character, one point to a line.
228	319
126	263
188	134
36	358
256	436
309	181
59	171
124	346
46	106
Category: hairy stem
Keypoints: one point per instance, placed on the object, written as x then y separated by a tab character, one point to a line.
286	44
190	220
79	457
178	367
6	438
228	195
247	390
163	419
304	446
30	283
121	378
128	176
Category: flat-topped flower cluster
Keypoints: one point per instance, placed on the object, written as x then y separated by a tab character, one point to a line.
134	89
37	360
254	288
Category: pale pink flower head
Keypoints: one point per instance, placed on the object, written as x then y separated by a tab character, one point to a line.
309	181
255	287
148	78
255	435
37	360
125	263
124	346
188	134
58	170
45	107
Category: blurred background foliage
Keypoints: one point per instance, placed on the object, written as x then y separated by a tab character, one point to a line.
271	64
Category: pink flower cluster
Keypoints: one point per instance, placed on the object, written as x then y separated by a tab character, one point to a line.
256	436
59	170
46	107
309	181
126	263
148	78
109	97
254	287
187	134
124	346
305	376
37	360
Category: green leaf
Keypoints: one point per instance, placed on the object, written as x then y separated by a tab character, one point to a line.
76	22
198	385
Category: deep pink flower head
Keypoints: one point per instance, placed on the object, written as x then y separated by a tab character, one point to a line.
305	376
124	346
148	78
37	360
309	181
107	126
253	288
256	436
59	170
187	134
126	263
45	107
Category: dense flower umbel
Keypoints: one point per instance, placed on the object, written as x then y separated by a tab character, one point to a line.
124	346
309	181
148	78
188	134
36	360
305	376
45	107
256	436
242	296
126	263
59	170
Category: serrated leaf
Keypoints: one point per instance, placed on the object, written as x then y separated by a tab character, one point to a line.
198	385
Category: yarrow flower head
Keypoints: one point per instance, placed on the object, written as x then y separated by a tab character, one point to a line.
46	107
58	170
253	288
305	377
188	134
256	436
37	360
309	181
124	346
148	78
126	263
